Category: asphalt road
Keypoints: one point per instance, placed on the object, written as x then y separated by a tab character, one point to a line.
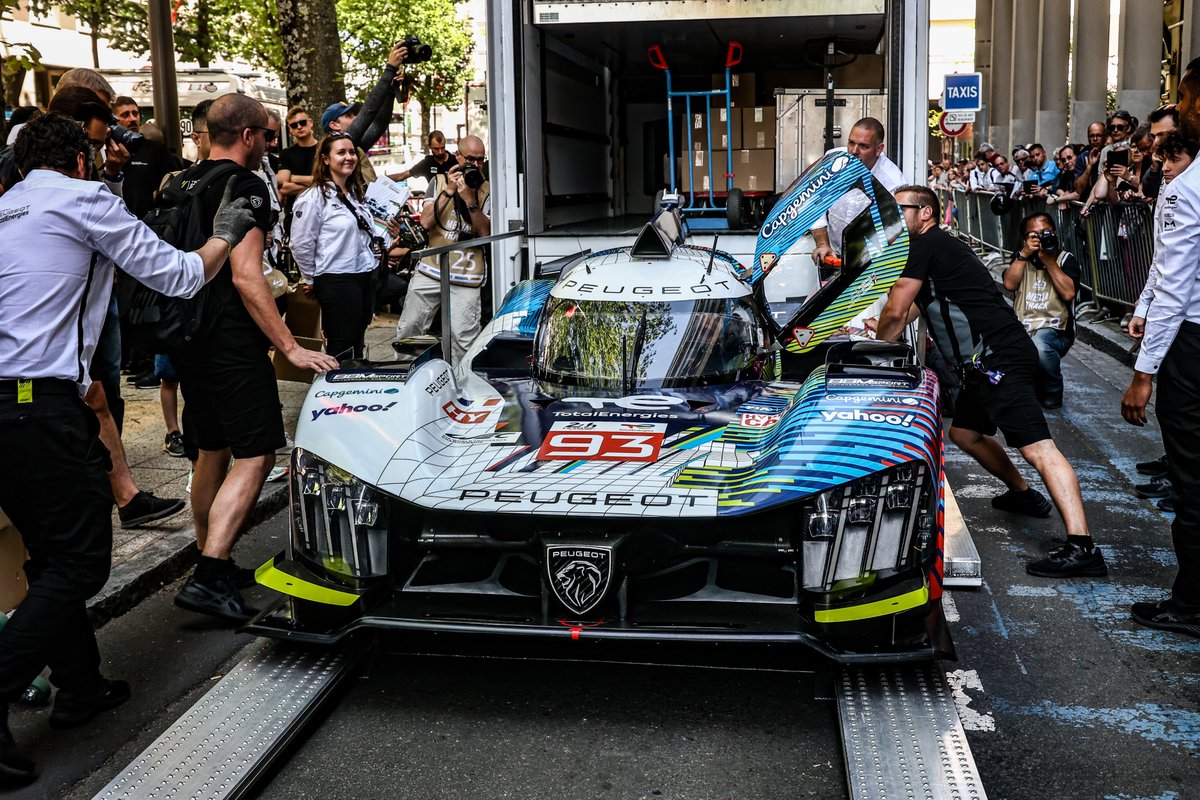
1062	696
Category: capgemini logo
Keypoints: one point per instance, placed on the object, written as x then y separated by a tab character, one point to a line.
839	163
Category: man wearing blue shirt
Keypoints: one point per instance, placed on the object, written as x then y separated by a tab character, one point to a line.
1040	170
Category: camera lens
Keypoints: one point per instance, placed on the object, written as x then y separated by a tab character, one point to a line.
123	136
472	176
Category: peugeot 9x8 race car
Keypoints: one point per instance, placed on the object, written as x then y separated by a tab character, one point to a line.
656	444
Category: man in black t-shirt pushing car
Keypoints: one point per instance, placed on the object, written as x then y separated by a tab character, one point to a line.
977	330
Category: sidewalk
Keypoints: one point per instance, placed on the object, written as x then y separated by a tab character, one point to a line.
146	558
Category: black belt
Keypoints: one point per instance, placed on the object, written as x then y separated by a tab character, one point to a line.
40	386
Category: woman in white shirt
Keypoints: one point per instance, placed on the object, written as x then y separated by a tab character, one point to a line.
336	247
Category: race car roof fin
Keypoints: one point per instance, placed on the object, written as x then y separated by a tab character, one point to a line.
659	237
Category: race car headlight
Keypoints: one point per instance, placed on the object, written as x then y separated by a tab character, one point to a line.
339	523
854	531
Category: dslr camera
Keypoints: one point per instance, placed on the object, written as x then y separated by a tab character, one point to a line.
418	51
123	136
472	175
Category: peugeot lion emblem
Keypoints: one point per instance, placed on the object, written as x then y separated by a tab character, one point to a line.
579	574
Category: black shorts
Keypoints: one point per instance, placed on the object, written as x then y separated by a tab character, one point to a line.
229	388
1010	406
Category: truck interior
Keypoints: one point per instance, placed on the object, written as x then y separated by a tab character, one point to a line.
596	139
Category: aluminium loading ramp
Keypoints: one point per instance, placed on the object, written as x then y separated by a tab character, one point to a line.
961	559
902	736
221	745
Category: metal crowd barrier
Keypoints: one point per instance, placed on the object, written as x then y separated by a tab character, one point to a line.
1114	244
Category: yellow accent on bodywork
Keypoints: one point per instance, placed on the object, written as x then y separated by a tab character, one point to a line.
274	578
879	608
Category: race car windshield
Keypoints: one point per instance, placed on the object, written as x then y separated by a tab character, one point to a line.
626	346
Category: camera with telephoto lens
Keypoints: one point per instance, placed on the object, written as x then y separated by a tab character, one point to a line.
123	136
472	175
418	51
1048	242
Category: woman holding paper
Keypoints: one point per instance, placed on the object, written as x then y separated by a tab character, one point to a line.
337	246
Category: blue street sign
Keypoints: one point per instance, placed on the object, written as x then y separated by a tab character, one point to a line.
963	92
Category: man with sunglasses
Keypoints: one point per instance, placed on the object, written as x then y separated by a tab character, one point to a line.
453	212
226	377
296	162
977	330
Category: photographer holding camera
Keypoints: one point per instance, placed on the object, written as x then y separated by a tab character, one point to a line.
457	209
1044	281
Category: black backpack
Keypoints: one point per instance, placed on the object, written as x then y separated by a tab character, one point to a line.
151	320
9	176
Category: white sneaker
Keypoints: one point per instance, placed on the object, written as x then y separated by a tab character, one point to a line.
276	474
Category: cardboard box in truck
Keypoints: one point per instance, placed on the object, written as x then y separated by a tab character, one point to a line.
754	170
697	124
758	127
743	89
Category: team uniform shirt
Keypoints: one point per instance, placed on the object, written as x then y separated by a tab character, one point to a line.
1036	303
851	204
966	313
451	223
1147	295
1176	295
327	238
979	181
61	238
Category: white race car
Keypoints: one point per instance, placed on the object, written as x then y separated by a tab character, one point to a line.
657	444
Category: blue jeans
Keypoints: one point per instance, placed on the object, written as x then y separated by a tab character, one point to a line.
1051	345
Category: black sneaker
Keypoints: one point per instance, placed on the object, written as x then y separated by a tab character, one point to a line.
73	708
1069	561
1167	504
16	768
1159	486
173	444
217	599
1030	502
242	577
150	381
1163	616
145	507
1156	467
1051	402
140	376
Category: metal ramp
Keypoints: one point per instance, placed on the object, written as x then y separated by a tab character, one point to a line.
220	746
902	736
960	558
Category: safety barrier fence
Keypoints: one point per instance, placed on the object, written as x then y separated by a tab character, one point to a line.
1114	244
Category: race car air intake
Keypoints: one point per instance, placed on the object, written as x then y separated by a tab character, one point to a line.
340	524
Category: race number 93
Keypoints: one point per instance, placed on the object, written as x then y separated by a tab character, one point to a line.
600	445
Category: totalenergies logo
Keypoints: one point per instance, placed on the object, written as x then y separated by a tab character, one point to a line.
792	210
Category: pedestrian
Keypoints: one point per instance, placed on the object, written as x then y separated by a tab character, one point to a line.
366	122
454	211
336	248
1171	350
1039	170
52	479
1175	154
226	376
978	332
866	143
1162	120
437	162
134	506
147	165
1044	280
296	162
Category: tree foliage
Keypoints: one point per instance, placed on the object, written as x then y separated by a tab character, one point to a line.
369	28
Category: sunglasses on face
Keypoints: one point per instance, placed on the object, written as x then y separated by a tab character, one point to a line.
300	123
1118	128
268	133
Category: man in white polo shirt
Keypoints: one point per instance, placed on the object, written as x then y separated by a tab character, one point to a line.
52	476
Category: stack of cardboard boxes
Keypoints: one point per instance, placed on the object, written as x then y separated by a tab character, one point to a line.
750	137
303	319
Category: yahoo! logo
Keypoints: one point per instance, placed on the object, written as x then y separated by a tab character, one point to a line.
346	408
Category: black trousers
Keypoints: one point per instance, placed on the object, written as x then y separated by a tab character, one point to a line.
54	487
347	302
1178	411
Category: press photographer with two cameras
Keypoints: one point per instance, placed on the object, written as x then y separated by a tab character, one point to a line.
1044	280
457	209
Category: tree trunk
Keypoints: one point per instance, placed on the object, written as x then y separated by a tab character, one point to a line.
312	54
94	23
12	82
203	38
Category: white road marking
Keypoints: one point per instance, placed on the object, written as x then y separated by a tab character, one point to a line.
949	607
960	680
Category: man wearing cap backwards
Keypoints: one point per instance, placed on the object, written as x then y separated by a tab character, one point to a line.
366	122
